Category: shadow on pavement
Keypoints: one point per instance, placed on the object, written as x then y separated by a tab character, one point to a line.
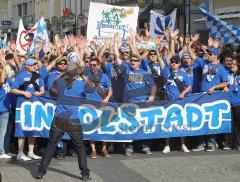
32	167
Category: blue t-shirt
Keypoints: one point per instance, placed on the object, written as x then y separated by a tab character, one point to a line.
52	76
171	84
233	81
68	98
86	71
43	71
138	84
212	74
152	68
101	80
194	72
5	95
24	76
108	69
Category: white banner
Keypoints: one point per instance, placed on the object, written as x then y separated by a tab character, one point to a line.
159	23
104	20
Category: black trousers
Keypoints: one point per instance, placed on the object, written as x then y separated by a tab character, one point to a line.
74	130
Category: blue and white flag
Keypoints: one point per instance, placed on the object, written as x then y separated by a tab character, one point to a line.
218	29
4	43
34	42
159	23
43	31
40	33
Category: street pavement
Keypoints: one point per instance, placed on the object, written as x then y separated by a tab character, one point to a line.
218	166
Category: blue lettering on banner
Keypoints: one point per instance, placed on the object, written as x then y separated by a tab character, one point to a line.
130	121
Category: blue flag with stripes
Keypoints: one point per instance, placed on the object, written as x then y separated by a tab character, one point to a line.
218	29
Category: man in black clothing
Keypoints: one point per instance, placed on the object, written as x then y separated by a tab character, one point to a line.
66	120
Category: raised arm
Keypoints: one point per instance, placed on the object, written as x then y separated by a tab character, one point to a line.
117	59
3	75
173	38
103	49
53	63
190	50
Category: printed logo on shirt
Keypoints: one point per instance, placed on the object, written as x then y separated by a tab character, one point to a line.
136	78
114	73
28	79
6	87
179	78
231	79
205	69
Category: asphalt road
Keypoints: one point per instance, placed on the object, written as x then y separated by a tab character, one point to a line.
218	166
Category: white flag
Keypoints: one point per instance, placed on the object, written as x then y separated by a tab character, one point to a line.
24	38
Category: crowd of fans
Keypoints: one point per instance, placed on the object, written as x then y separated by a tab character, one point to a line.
123	72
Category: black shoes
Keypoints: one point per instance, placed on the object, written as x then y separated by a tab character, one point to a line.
83	178
39	175
72	153
60	156
86	178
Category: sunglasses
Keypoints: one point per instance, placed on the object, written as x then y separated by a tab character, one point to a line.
86	61
62	64
134	60
93	65
33	64
175	62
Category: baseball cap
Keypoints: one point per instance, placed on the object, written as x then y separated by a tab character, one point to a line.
30	61
214	51
186	53
152	51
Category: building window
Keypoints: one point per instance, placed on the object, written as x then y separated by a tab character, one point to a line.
24	8
19	7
